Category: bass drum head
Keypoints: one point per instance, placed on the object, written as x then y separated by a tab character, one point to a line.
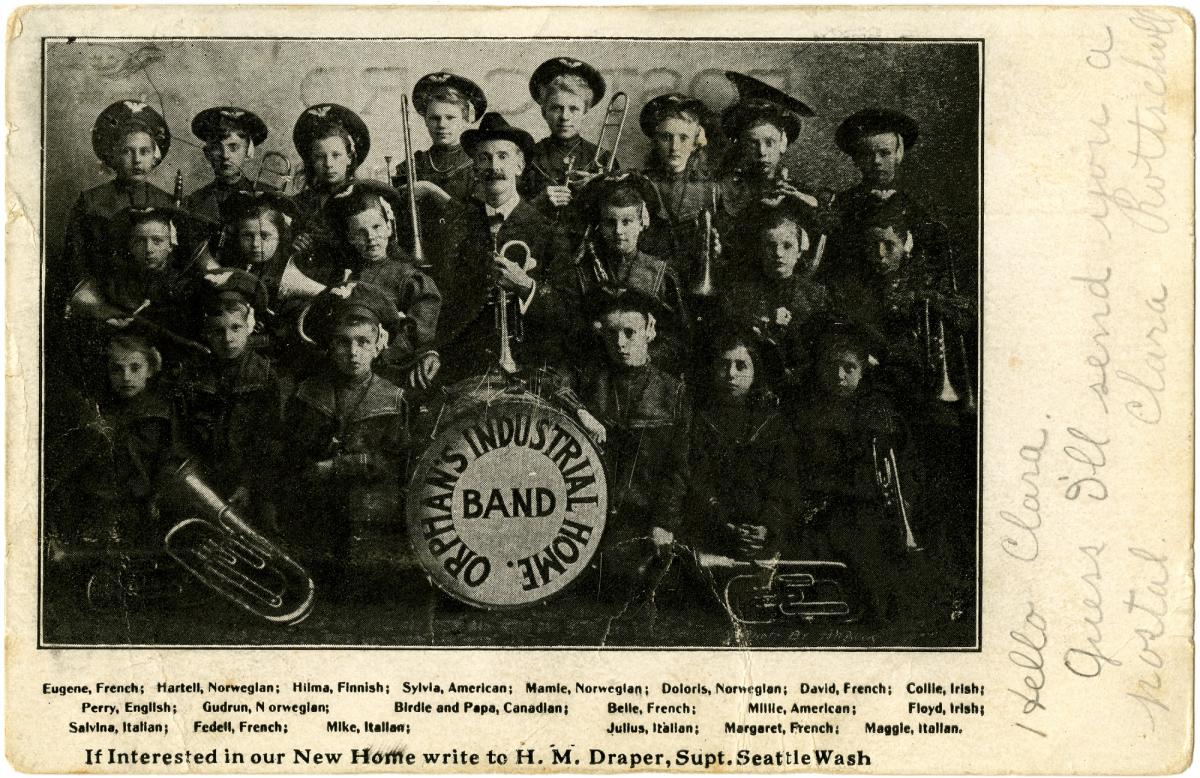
507	505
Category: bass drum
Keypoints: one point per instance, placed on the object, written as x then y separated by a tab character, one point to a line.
508	503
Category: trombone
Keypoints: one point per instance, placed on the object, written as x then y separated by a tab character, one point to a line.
410	172
614	121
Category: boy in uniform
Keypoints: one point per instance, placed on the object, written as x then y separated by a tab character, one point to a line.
332	141
347	440
230	136
641	416
231	403
449	104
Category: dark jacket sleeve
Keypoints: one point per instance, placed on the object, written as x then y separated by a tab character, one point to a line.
674	483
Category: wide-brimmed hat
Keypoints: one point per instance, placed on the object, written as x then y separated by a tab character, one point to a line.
124	116
356	299
242	202
231	282
493	126
874	121
424	89
319	118
598	188
211	124
654	111
760	102
553	68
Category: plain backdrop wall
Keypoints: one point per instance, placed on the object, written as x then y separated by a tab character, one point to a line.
937	83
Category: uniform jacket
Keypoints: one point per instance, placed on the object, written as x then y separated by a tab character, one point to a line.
646	414
90	242
742	469
415	295
206	201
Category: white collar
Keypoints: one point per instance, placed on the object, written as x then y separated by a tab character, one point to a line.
504	210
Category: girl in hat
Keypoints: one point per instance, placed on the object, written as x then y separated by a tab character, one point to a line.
742	457
448	104
332	141
131	138
678	167
230	137
565	89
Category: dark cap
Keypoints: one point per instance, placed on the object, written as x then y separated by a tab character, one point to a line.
359	196
318	119
347	302
123	223
657	109
424	89
242	203
235	283
600	187
761	102
126	116
837	329
493	126
629	299
553	68
211	124
874	121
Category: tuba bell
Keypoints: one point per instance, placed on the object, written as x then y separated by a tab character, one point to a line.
218	547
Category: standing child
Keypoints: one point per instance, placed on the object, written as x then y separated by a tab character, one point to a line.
347	439
230	137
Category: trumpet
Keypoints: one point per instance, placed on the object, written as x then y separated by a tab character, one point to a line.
887	476
614	120
225	553
509	331
704	286
87	301
410	170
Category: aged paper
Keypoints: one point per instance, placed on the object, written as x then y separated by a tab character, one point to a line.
995	578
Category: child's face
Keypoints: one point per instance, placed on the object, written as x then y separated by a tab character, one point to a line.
841	371
258	239
563	112
150	245
781	250
227	157
886	248
128	372
445	122
354	347
733	373
330	161
876	157
133	158
627	337
763	146
674	141
227	333
620	227
369	233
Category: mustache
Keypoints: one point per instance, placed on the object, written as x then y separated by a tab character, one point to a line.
494	175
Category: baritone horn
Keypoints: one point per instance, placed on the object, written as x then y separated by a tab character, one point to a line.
218	547
887	477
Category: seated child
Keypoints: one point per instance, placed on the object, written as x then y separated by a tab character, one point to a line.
122	441
847	427
347	437
641	416
779	297
231	402
742	466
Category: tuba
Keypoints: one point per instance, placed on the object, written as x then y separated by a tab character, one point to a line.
770	591
218	547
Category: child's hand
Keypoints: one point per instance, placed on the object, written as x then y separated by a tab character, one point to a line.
783	317
559	196
662	540
428	189
592	425
119	323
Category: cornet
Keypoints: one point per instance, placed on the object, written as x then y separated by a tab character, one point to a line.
887	476
509	331
704	286
218	547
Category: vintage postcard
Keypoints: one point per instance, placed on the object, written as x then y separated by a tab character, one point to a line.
600	389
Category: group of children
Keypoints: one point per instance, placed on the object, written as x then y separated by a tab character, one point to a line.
743	350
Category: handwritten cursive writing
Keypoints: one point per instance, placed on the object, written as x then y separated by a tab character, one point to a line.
1147	408
1155	606
1031	637
1025	546
1099	359
1090	453
1089	662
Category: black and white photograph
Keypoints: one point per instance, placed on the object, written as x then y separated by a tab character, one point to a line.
654	342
